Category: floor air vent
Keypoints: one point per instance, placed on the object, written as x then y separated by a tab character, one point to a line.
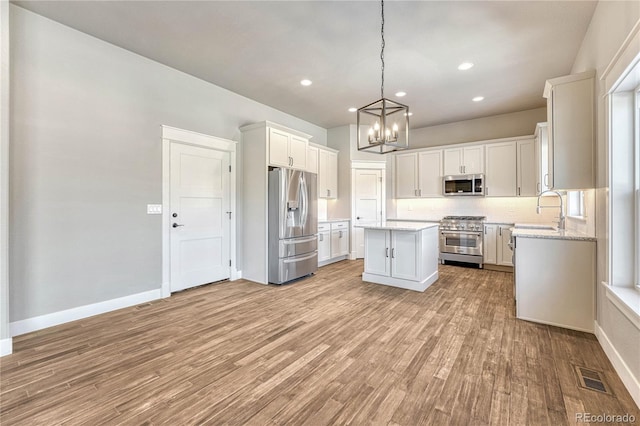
592	380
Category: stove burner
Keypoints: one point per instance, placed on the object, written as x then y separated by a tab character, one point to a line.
477	218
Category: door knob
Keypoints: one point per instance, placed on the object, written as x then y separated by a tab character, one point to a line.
175	225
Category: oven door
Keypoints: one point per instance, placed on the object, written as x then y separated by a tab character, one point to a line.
461	242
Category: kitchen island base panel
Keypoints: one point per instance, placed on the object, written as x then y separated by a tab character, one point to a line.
397	282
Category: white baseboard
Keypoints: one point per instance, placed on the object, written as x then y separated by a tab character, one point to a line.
630	382
56	318
6	346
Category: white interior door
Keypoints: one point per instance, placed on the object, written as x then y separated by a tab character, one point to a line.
199	216
368	203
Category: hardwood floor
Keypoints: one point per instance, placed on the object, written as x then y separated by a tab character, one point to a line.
325	350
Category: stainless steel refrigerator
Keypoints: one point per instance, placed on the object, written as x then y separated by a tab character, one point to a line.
293	225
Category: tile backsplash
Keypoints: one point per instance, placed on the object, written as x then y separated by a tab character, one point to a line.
496	209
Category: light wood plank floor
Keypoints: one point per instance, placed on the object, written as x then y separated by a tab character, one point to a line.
325	350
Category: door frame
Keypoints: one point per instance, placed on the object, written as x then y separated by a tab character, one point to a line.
186	137
365	165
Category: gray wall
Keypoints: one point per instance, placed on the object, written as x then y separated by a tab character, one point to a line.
498	126
610	25
86	159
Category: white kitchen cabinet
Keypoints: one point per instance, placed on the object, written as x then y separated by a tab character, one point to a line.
406	174
401	257
466	160
501	170
526	168
556	282
542	157
287	150
504	253
490	245
263	144
418	174
430	173
324	242
339	242
327	173
312	159
570	118
333	242
496	244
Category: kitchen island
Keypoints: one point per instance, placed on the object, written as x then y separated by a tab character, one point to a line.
401	254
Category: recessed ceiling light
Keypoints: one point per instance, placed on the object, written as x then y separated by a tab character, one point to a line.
465	66
352	109
401	94
477	98
306	82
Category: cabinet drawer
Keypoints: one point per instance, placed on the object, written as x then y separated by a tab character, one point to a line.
339	225
324	227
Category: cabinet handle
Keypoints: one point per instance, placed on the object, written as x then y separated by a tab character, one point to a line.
485	230
518	191
415	192
546	180
339	234
420	192
486	190
393	253
386	252
321	237
538	187
500	228
328	192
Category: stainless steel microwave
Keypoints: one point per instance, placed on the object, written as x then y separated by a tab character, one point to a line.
463	185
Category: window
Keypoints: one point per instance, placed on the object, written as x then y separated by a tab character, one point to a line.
575	204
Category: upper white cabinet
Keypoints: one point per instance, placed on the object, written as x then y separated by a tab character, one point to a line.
327	173
406	171
501	170
467	160
430	173
418	174
570	116
287	150
526	168
312	159
542	157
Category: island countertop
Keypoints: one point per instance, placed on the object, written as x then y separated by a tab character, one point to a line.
400	226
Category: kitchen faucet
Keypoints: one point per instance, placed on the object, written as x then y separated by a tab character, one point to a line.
561	218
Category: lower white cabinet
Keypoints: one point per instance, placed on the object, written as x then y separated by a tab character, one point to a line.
333	242
496	245
401	258
324	244
555	282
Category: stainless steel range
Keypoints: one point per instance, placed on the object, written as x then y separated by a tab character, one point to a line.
461	239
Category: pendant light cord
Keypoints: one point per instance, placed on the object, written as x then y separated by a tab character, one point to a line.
382	49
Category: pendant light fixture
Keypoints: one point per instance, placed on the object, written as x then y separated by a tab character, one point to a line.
383	126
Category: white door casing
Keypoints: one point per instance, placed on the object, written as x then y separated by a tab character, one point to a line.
222	148
367	203
200	212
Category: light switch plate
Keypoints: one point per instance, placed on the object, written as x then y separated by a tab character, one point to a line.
154	208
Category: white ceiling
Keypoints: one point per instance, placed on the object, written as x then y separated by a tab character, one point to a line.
262	49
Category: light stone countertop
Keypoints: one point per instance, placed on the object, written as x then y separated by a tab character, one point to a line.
551	234
333	220
400	226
